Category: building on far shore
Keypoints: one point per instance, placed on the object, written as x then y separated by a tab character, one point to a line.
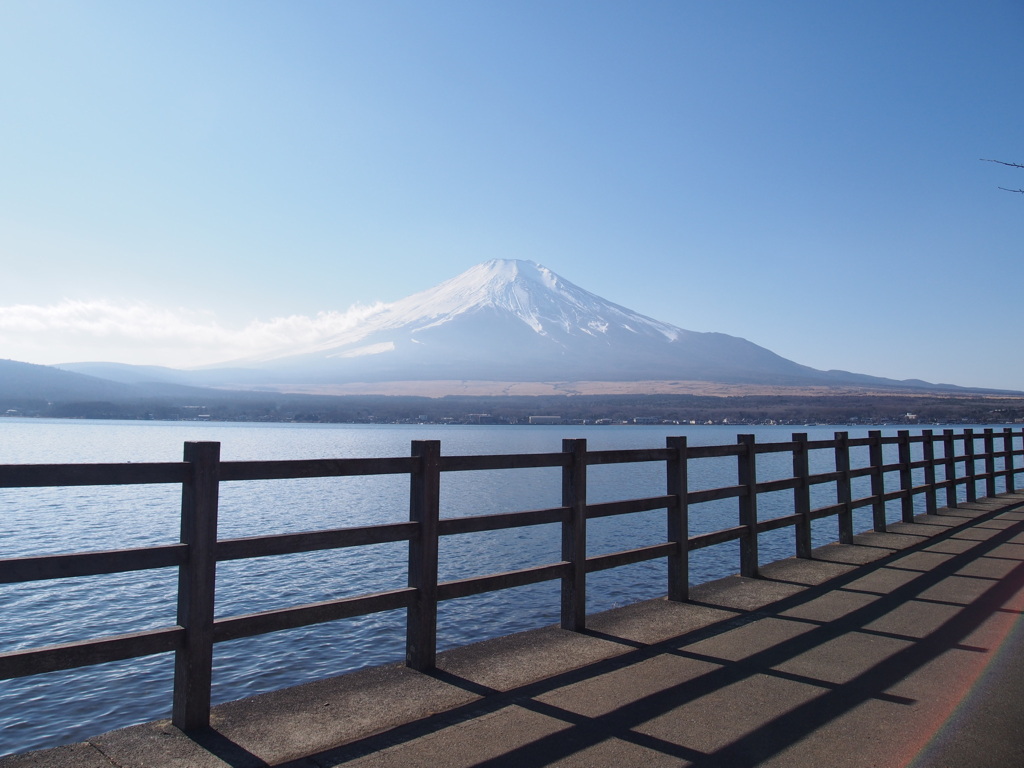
547	420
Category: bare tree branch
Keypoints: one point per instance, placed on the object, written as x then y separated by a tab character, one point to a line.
1012	165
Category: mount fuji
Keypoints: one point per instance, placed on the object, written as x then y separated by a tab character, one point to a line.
517	321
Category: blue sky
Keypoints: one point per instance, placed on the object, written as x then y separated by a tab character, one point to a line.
185	182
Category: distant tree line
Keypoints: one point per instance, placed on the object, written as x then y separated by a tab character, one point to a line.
782	409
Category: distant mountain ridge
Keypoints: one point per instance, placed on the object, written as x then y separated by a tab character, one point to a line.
42	382
29	382
508	321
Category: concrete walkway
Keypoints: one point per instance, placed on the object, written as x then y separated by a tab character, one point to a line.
905	649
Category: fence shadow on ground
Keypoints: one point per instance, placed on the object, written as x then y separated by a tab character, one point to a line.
743	690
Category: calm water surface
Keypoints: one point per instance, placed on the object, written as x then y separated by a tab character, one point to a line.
63	707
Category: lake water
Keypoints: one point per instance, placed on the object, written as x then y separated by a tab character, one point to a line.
64	707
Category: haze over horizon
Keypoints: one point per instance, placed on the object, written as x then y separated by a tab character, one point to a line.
189	183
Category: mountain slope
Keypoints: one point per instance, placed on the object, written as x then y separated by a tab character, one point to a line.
22	383
28	382
509	320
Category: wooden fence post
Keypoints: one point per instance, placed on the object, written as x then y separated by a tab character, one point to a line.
877	459
802	495
1008	460
678	520
906	477
949	449
972	469
193	663
844	492
990	463
425	509
574	536
930	502
746	472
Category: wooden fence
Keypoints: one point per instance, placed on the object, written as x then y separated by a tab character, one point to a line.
956	457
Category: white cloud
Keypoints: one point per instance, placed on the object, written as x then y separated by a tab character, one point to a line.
75	331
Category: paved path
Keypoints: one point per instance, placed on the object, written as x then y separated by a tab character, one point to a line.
905	649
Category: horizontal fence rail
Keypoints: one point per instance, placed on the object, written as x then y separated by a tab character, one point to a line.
962	460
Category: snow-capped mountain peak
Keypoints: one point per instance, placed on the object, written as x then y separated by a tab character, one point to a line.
513	320
533	294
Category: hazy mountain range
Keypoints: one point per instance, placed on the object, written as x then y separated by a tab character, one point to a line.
501	322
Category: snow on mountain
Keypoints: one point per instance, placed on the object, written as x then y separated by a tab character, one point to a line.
533	294
511	320
544	302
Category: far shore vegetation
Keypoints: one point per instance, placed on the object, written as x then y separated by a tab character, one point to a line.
840	409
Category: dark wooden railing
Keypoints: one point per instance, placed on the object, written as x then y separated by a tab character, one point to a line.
202	472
